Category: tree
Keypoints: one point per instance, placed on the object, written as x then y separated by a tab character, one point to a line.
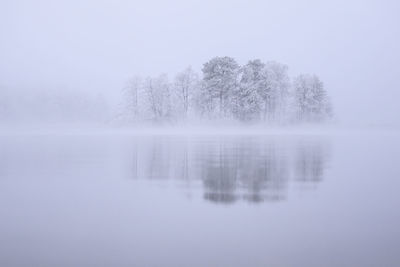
219	82
310	98
275	90
248	102
185	86
157	91
132	93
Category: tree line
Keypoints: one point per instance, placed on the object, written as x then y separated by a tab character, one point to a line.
254	92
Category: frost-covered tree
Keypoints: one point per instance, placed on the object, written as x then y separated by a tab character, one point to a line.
276	91
310	99
247	100
263	91
185	86
132	96
157	92
218	84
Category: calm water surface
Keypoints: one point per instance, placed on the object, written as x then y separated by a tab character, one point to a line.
119	200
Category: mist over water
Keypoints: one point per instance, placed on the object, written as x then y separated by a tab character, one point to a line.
168	200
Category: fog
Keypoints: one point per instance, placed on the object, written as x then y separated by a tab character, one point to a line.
95	47
199	133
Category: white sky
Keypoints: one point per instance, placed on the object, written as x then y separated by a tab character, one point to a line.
96	45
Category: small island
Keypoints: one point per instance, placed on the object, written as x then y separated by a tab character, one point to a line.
256	92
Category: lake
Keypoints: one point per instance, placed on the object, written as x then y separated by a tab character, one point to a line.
200	200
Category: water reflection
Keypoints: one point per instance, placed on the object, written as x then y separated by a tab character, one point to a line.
231	169
310	162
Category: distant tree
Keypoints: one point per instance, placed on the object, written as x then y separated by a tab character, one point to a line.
132	97
310	98
157	92
247	100
276	91
185	86
219	82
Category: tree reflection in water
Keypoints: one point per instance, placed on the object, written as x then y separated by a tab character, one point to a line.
248	168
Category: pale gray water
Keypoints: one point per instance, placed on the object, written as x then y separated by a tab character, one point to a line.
120	200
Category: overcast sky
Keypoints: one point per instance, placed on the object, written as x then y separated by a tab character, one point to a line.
97	45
